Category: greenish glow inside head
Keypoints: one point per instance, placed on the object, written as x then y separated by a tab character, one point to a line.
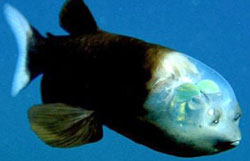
189	89
192	103
186	91
208	86
190	99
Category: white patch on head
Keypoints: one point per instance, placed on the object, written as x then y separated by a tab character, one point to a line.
177	64
175	68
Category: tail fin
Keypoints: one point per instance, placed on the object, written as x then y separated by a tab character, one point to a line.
27	37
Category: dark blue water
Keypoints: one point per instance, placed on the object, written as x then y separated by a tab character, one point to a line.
216	32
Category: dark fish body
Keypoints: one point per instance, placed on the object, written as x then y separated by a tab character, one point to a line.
110	68
96	66
151	94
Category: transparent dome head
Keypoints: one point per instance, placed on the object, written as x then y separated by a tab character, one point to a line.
184	89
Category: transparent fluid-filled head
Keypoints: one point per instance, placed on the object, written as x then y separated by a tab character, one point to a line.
183	86
188	97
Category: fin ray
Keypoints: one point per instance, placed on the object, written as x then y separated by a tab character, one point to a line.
60	125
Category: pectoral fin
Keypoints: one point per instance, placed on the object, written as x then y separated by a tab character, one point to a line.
60	125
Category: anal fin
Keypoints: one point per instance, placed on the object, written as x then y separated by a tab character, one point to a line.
60	125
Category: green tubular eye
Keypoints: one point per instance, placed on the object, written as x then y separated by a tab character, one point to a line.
186	92
208	87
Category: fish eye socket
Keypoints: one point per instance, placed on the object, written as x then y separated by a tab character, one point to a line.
215	122
215	116
237	117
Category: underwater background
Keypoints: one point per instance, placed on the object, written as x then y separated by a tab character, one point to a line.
214	31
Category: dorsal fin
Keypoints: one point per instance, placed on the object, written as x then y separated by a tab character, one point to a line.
76	18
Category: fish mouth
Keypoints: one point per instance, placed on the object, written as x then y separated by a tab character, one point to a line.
225	145
235	143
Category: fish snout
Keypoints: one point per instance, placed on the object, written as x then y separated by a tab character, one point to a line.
226	145
235	143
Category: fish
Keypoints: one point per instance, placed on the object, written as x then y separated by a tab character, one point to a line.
156	96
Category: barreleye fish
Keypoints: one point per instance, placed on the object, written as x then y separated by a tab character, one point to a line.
154	95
